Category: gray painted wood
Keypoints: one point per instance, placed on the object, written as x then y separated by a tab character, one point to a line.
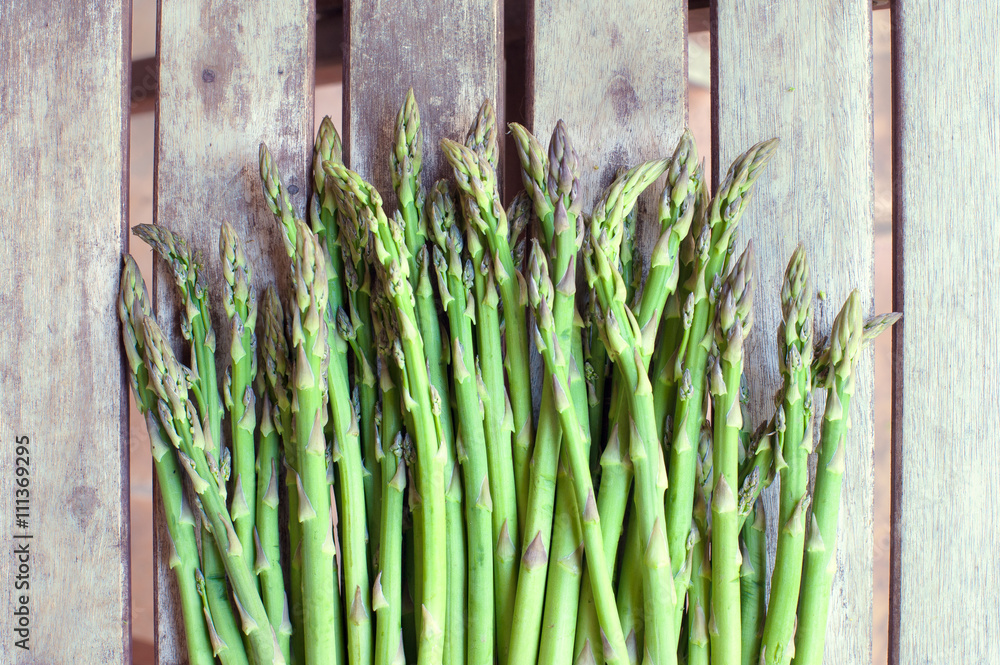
63	162
946	453
232	74
616	73
802	72
451	54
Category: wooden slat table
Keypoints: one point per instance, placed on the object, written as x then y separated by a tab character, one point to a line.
63	162
945	593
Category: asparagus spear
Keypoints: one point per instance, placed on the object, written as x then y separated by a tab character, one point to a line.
540	293
133	306
171	382
714	238
700	591
623	339
196	328
560	547
455	280
387	596
240	303
352	509
475	172
276	197
267	545
675	214
276	364
794	444
349	267
388	255
732	325
819	566
562	594
486	224
312	356
753	598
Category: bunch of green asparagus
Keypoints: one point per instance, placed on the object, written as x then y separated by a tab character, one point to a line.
375	479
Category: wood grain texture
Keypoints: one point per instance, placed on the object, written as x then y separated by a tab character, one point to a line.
802	72
63	162
450	53
616	73
945	590
231	75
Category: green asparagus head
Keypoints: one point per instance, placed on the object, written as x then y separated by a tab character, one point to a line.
795	342
327	148
564	170
874	327
238	291
406	159
477	182
133	306
440	213
607	221
518	217
482	136
310	286
847	339
735	191
274	348
534	169
276	196
734	315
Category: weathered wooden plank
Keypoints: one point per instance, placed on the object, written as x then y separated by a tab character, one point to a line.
620	88
944	605
451	54
802	72
63	161
232	74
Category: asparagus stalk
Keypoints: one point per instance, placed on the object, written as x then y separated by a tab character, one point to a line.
388	255
312	357
171	382
475	166
387	594
623	338
276	197
564	578
675	215
196	328
240	303
700	591
794	443
714	238
630	602
349	266
276	365
540	292
133	306
820	565
347	457
753	598
562	595
267	543
455	280
486	224
732	325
